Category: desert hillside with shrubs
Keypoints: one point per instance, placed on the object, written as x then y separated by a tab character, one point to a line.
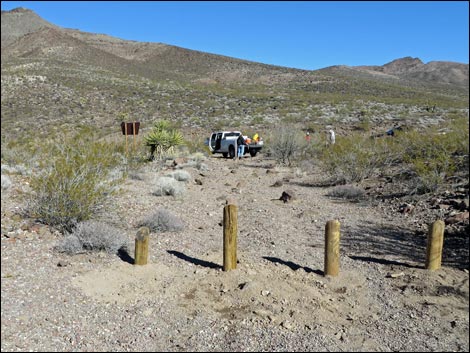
70	175
64	114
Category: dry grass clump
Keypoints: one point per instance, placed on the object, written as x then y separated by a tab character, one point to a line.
162	220
347	192
179	175
93	236
168	186
6	182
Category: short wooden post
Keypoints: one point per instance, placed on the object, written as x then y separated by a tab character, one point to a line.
434	246
125	132
332	236
141	246
230	237
133	133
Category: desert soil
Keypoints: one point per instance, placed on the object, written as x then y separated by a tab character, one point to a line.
277	299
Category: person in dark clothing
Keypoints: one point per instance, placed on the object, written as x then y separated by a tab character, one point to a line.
241	143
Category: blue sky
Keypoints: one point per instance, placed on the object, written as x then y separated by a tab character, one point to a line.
301	34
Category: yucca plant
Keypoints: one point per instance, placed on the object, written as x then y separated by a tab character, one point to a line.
163	139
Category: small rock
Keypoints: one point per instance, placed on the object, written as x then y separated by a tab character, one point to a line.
460	217
406	208
288	196
287	325
395	275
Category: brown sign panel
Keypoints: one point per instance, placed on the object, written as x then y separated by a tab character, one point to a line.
130	128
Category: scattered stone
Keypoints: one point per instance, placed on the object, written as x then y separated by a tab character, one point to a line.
63	263
287	325
406	208
395	275
179	161
288	196
460	217
231	200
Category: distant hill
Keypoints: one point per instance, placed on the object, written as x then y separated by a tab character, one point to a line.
18	22
414	68
55	75
25	34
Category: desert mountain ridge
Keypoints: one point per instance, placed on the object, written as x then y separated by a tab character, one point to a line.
25	34
55	78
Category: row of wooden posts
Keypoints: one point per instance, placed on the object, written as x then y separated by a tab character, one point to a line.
332	239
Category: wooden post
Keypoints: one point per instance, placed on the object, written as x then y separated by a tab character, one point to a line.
125	130
141	246
332	236
133	133
434	246
230	237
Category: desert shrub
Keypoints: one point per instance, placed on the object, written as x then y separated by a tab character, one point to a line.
430	155
74	182
162	220
179	175
195	161
19	154
347	192
6	182
93	236
354	158
168	186
285	144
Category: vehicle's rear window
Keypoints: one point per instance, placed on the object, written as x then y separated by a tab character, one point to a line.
228	134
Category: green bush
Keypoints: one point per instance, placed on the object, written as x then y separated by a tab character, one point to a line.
354	158
433	155
285	145
75	181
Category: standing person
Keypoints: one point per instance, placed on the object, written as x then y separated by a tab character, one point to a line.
241	146
307	137
331	137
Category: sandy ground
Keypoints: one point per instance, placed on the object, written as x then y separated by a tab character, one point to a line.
277	298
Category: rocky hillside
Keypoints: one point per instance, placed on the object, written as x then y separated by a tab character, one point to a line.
432	72
18	22
55	78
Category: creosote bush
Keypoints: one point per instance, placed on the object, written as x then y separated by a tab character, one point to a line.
354	158
93	236
431	155
285	145
74	181
162	220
